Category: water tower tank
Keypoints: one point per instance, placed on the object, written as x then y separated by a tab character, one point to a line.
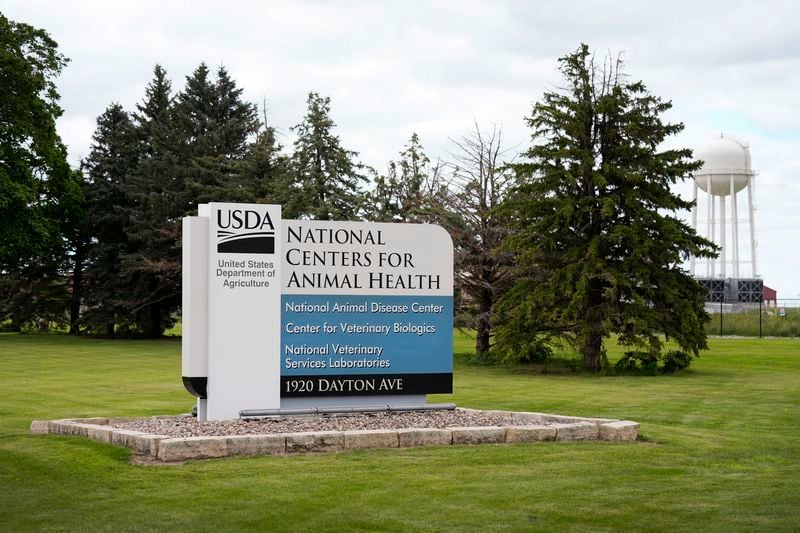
726	166
726	170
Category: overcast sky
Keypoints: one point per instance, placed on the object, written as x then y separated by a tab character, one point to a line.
393	68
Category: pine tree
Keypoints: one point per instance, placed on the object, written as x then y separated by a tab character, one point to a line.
405	193
325	181
596	233
385	204
264	168
155	197
194	149
113	157
216	126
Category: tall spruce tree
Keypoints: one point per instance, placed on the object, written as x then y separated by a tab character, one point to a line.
194	148
385	201
40	196
155	195
114	156
264	168
405	193
596	232
325	180
216	127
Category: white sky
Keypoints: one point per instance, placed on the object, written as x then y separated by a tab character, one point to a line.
393	68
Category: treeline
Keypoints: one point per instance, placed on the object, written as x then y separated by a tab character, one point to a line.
118	270
576	241
152	166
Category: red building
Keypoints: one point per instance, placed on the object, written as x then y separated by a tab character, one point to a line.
770	297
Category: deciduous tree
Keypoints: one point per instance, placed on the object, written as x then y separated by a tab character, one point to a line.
40	196
467	208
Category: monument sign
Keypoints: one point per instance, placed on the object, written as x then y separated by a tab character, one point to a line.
282	314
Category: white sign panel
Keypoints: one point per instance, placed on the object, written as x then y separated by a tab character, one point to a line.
244	295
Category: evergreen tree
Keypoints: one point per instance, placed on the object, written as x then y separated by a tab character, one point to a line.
405	193
149	285
264	168
385	204
113	157
325	181
193	149
215	127
418	181
595	227
40	195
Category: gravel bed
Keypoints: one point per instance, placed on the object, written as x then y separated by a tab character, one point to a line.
188	426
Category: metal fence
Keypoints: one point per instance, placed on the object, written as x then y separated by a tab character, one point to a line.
776	318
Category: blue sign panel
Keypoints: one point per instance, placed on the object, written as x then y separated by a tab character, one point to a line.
325	338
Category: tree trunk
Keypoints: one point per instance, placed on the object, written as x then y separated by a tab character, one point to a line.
156	329
593	351
77	289
484	323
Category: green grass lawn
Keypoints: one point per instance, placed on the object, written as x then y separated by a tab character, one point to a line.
720	451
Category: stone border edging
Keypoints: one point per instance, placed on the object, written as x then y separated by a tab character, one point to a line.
170	449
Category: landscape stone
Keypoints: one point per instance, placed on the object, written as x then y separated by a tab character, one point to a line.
322	441
60	427
479	435
99	432
370	438
40	427
561	419
140	443
530	433
80	429
623	430
182	449
579	431
256	445
412	437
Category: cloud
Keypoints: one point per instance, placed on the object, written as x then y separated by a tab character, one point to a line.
392	68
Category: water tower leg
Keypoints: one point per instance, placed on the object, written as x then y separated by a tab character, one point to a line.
722	258
752	226
735	228
694	220
711	226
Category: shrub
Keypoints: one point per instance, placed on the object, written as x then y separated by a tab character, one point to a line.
639	362
675	360
531	350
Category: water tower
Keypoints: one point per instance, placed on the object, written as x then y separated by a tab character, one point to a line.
726	171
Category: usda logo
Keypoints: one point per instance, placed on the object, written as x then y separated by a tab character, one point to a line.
245	231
